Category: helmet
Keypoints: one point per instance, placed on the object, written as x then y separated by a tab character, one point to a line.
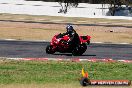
69	28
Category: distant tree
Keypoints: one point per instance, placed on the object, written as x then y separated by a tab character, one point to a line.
114	4
65	4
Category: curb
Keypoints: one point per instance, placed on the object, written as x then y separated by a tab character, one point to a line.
72	60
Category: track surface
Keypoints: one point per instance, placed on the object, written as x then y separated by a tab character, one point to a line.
30	49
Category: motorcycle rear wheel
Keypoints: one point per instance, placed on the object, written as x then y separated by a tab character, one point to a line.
83	48
76	52
79	50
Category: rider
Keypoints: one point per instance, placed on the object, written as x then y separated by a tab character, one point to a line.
74	38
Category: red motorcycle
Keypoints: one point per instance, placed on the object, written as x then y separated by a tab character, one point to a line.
60	44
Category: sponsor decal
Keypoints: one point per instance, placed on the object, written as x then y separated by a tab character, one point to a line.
85	81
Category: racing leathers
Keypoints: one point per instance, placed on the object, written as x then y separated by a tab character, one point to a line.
74	38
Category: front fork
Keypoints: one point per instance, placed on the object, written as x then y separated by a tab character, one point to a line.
88	42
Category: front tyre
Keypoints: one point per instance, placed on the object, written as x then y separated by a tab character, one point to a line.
50	50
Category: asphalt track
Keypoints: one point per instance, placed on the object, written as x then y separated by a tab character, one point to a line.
33	49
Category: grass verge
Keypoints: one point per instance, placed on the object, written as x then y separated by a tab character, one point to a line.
45	72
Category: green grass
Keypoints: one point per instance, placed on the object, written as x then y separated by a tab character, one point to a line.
44	72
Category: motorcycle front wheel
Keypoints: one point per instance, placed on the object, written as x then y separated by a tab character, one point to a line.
50	50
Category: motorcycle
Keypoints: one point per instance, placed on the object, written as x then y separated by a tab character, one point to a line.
60	44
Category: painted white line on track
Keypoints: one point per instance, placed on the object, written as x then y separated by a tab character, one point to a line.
96	42
124	43
25	40
49	41
9	39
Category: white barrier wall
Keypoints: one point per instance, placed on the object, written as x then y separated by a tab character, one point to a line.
52	8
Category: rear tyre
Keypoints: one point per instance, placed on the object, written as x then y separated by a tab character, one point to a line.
76	52
49	49
83	48
79	50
